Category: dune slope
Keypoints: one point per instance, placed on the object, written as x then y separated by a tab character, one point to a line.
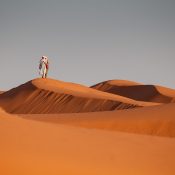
149	93
155	120
38	148
52	96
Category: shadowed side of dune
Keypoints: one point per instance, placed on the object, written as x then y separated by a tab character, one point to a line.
29	98
149	93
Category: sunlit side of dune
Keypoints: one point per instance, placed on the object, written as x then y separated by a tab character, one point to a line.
155	120
34	148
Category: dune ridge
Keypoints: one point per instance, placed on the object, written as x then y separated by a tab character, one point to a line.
53	96
136	91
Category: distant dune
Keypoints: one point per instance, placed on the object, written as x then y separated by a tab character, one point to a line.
41	96
136	91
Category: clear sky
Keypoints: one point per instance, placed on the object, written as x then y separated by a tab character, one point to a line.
88	41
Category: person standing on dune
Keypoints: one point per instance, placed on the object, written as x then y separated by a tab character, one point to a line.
44	66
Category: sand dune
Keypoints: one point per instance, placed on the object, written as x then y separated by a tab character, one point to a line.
85	143
34	148
52	96
136	91
155	120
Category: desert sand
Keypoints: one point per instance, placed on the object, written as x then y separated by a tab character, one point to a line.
155	120
52	96
29	147
136	91
43	130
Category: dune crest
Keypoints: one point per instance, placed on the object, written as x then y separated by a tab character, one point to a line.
136	91
53	96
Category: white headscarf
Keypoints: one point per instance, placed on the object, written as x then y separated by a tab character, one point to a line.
45	59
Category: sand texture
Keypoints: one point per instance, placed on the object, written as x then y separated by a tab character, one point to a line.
51	127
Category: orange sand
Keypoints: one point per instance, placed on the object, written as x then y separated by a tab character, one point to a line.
86	143
52	96
155	120
136	91
29	147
